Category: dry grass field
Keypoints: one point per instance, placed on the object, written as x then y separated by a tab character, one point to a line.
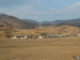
40	49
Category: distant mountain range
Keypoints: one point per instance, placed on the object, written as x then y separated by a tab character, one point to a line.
31	21
72	22
16	23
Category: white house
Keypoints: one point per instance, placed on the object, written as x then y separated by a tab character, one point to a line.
40	37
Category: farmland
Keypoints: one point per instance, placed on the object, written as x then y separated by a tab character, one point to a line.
40	49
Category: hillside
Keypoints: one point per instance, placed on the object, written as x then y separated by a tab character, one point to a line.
5	30
15	22
67	30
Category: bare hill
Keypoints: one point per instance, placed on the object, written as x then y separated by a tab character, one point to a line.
15	22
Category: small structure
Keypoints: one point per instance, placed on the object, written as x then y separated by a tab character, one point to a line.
25	37
40	37
47	36
59	36
76	57
20	37
78	34
16	37
51	35
32	36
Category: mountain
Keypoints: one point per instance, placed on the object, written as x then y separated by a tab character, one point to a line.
15	22
31	21
72	22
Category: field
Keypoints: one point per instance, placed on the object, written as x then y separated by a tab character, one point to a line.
40	49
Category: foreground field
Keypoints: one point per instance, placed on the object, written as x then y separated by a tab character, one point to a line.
40	49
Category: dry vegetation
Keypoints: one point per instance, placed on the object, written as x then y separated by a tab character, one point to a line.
40	49
41	30
50	30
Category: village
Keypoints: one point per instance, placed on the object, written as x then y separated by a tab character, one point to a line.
44	34
40	32
49	32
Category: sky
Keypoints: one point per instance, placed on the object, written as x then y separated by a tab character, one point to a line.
41	10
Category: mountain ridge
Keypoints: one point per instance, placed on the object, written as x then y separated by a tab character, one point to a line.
71	22
15	22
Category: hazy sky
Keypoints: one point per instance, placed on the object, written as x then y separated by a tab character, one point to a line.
41	10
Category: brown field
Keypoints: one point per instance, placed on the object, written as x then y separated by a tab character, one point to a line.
40	49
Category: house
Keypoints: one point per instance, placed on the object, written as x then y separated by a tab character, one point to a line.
47	36
51	35
16	37
76	57
32	36
25	37
78	34
60	36
40	37
19	37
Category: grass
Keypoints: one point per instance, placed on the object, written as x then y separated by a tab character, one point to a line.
40	49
